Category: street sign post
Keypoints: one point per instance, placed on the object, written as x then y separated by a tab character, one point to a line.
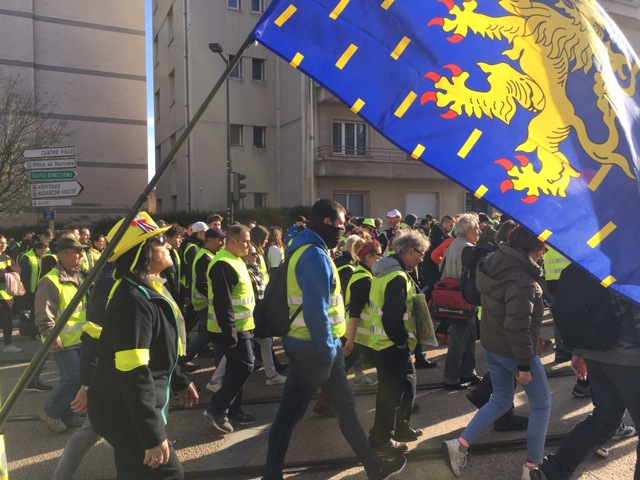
49	215
48	175
56	189
52	202
50	152
53	163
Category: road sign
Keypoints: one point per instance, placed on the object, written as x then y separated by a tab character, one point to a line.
50	152
52	202
56	189
53	163
48	175
49	215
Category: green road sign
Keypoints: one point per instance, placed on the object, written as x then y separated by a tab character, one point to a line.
52	175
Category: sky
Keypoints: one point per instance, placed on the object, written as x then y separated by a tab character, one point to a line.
148	15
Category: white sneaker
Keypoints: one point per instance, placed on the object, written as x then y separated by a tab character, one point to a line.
213	386
453	456
526	472
277	379
364	381
624	431
603	452
11	348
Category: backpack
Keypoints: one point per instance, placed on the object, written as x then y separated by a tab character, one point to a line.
471	256
582	312
271	314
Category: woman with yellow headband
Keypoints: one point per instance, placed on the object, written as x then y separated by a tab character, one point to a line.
139	348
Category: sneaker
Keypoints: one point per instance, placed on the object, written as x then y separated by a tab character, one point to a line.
423	363
243	419
473	380
219	421
537	474
11	348
526	472
364	381
581	392
277	379
54	424
391	446
281	367
624	431
562	356
603	452
442	338
190	367
75	422
390	468
405	433
38	386
213	386
453	456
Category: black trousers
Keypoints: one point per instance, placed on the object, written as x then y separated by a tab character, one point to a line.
129	455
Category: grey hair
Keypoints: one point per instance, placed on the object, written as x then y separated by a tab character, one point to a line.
464	223
407	239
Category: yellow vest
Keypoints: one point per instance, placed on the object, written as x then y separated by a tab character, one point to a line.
554	263
379	338
34	261
72	331
5	262
242	297
294	293
198	300
363	334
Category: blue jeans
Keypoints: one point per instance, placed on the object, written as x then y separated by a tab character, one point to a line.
460	361
614	388
68	362
201	340
503	370
307	373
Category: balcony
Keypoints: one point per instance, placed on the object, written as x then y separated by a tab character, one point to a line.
390	163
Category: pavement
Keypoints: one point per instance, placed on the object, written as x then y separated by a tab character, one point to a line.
317	451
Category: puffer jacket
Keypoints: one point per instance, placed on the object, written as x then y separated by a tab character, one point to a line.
512	306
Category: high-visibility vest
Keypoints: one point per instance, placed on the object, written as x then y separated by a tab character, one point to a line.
554	263
242	297
349	266
34	261
294	293
5	261
198	300
363	334
263	268
46	255
379	338
72	331
87	260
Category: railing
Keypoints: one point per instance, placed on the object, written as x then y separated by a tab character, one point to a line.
360	154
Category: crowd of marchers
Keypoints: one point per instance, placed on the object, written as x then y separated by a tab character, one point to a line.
356	287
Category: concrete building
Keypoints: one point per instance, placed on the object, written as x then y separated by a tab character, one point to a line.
88	61
293	139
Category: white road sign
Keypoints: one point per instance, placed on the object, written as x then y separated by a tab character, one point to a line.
53	163
52	202
56	189
50	152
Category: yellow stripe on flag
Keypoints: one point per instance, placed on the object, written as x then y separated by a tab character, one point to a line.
286	15
297	60
608	281
346	56
406	103
481	191
470	143
386	4
417	152
338	10
602	234
544	236
357	106
402	45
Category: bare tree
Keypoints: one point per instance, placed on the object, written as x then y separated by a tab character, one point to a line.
24	124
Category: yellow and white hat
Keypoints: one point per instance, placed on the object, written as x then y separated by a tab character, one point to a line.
142	228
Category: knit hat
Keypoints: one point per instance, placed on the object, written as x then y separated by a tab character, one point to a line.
142	228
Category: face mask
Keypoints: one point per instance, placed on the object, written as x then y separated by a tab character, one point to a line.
330	234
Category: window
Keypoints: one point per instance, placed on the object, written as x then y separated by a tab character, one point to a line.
156	104
257	6
237	139
349	138
174	203
172	87
259	200
353	202
234	4
155	51
170	26
236	72
474	204
257	69
158	158
259	137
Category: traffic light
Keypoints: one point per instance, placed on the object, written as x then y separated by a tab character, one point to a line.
238	186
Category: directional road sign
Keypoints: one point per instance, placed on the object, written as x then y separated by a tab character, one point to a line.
48	175
56	189
53	163
52	202
50	152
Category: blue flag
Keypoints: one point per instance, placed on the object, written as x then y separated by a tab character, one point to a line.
532	106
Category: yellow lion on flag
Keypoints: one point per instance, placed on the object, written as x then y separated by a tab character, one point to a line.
548	44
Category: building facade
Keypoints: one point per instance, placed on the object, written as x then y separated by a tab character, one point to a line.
88	62
293	139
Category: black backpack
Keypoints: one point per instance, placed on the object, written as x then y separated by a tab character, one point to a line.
471	256
582	312
271	314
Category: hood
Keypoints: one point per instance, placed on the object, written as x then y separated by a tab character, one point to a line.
503	264
386	265
305	237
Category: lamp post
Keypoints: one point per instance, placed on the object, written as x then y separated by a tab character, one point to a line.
217	48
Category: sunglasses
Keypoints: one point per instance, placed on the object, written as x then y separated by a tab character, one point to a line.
159	240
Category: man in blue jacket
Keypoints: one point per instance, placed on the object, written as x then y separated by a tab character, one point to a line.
313	344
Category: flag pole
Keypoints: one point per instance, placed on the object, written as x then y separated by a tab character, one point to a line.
42	352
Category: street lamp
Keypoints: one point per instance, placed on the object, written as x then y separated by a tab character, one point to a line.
217	48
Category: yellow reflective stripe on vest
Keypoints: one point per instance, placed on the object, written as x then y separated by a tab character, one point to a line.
378	311
92	329
127	360
35	270
198	300
72	331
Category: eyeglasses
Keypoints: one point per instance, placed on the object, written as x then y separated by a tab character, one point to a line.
159	240
419	253
252	254
377	254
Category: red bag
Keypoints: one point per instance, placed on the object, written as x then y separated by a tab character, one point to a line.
447	302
